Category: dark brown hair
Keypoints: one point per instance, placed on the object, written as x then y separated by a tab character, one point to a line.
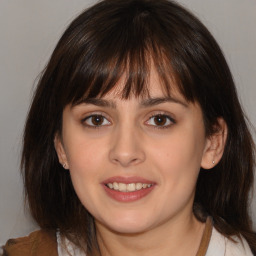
122	37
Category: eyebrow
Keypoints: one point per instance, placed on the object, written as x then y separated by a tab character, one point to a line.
98	102
156	101
144	103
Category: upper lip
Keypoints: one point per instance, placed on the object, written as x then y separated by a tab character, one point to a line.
127	180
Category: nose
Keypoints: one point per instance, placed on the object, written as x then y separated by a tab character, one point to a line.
127	147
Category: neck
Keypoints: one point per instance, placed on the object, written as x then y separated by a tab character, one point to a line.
176	237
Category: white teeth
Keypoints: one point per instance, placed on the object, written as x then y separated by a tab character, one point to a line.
131	187
122	187
144	185
110	185
128	187
115	186
138	186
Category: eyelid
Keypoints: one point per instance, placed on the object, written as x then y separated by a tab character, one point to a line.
90	115
164	114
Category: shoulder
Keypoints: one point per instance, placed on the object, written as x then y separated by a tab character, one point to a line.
38	243
222	246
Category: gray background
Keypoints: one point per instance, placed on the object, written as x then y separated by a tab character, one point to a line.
29	30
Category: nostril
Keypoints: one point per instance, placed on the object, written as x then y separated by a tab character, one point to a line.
127	160
126	149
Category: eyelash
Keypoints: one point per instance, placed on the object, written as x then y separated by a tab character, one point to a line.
162	115
83	121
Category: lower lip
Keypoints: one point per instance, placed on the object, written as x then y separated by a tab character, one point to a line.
127	196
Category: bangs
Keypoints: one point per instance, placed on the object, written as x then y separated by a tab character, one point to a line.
130	70
102	54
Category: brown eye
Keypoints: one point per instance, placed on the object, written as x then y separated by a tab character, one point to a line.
160	120
96	121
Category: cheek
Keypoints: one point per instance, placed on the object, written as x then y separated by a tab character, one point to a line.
179	152
178	160
83	153
85	166
85	163
177	164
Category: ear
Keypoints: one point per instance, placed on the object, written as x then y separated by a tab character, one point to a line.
215	145
58	144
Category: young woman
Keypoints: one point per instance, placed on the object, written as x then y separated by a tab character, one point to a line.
135	143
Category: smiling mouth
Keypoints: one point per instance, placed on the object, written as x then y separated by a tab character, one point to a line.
131	187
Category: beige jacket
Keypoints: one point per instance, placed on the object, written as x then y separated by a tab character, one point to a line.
38	243
43	243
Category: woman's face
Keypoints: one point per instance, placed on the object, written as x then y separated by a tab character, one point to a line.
134	163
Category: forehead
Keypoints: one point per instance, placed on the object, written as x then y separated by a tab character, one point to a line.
155	94
154	88
151	81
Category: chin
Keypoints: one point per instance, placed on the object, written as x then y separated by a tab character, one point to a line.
127	224
128	229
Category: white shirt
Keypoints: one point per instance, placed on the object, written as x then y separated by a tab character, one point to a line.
219	246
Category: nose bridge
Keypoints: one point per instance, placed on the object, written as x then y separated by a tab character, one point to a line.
126	146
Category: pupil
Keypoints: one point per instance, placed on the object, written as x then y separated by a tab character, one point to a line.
97	120
160	120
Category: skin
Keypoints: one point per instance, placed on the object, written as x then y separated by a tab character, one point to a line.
130	142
